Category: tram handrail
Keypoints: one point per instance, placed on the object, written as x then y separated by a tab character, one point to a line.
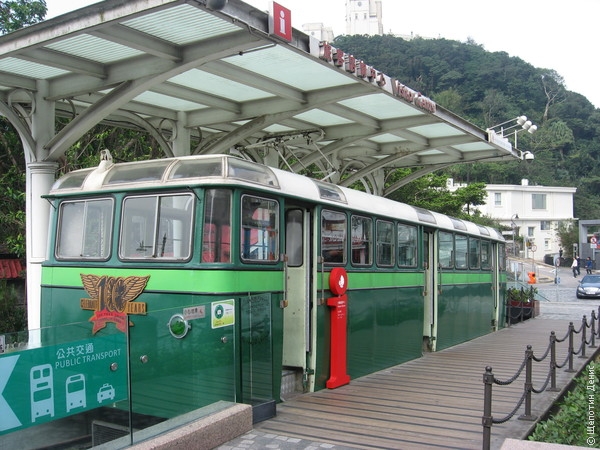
489	379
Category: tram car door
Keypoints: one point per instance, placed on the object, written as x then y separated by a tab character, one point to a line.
430	291
296	318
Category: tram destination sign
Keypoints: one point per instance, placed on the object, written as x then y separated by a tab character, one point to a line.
49	383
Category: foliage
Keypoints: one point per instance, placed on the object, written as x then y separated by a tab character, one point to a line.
567	233
13	316
12	211
521	295
577	411
489	88
15	14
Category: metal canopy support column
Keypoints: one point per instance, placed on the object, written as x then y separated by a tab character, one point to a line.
40	177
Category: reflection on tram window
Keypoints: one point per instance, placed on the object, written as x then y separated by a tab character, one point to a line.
333	237
474	253
216	237
157	227
362	240
85	229
460	245
260	229
486	258
385	243
446	250
407	245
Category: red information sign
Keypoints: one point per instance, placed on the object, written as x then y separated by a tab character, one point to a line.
280	21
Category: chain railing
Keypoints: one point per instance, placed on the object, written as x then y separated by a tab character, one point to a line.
489	379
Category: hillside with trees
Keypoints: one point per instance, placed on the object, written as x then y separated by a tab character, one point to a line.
489	88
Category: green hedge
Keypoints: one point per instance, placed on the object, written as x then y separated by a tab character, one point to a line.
577	422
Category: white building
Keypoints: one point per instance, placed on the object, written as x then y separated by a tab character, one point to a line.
532	212
364	17
318	31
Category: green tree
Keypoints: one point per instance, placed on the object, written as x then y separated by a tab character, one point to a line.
568	235
16	14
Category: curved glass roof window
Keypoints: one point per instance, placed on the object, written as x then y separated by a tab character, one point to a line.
458	224
192	168
138	172
330	192
483	230
253	173
72	180
424	215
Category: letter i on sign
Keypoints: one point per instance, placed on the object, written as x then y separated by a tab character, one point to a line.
280	22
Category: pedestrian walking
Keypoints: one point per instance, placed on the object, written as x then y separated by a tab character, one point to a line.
588	265
574	266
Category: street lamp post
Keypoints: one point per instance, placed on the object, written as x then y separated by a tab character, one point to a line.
514	228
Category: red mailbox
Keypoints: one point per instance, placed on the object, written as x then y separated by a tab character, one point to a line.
338	283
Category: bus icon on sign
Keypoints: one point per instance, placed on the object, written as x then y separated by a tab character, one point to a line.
42	391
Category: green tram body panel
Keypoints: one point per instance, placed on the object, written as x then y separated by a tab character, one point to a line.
209	364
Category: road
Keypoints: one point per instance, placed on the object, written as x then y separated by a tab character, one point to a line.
558	300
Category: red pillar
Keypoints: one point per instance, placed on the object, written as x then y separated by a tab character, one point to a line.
338	283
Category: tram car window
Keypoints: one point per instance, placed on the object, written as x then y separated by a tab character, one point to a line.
333	237
85	229
157	227
260	229
486	258
385	244
446	250
293	237
474	261
407	245
216	237
362	240
461	247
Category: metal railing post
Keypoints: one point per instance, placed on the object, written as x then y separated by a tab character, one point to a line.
571	349
553	362
583	336
528	386
593	343
487	419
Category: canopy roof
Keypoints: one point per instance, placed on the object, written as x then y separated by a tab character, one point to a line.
204	81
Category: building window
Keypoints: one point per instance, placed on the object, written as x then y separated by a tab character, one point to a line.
545	225
498	198
538	201
530	231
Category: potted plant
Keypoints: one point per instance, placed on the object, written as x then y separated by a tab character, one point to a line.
520	304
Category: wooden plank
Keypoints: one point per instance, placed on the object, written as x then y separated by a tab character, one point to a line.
432	402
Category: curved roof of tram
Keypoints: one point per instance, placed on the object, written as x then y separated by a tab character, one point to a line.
233	87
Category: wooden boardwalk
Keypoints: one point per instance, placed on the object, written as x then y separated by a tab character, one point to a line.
435	401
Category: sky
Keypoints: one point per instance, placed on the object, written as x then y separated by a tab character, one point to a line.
550	34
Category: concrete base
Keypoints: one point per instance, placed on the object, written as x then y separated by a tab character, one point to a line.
204	429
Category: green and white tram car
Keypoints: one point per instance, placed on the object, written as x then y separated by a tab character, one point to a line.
218	268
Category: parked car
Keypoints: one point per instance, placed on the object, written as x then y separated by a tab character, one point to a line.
589	287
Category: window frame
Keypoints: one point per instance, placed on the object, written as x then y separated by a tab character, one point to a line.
155	219
61	227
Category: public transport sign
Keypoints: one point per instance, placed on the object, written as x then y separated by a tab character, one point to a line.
48	383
